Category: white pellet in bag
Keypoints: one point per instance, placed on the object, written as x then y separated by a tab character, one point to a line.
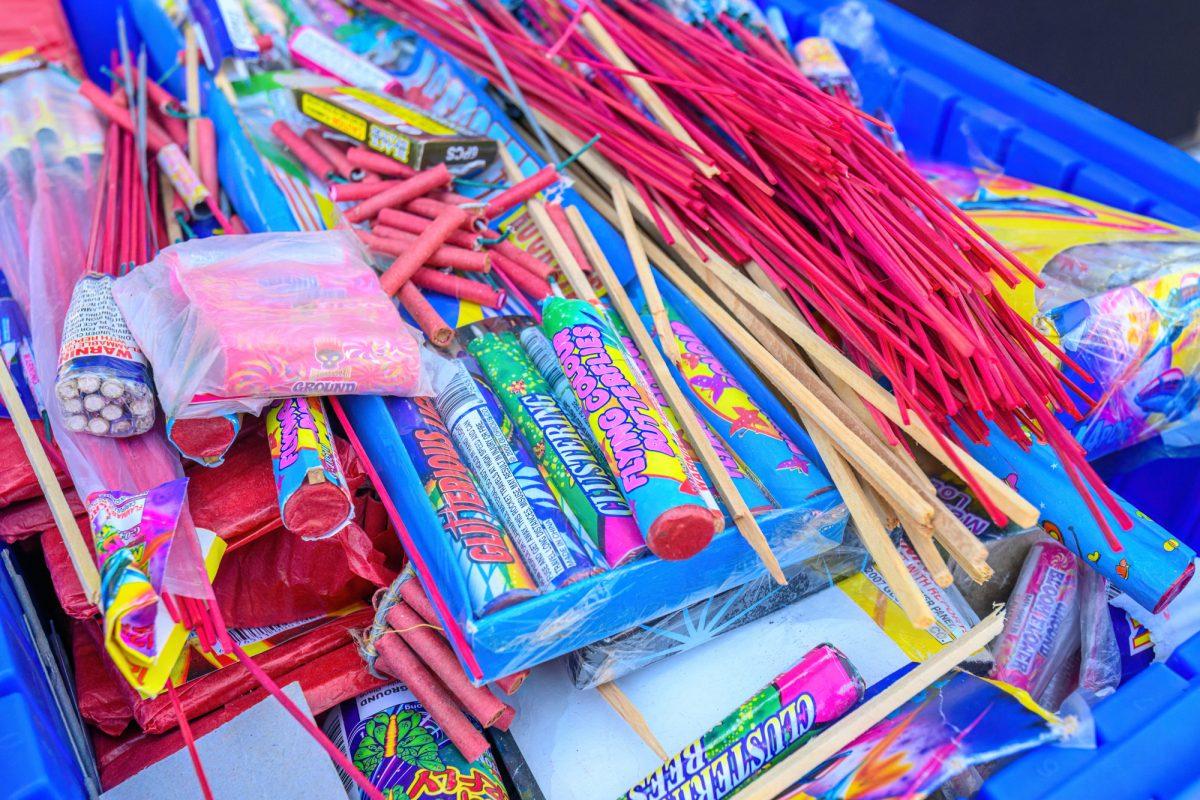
103	384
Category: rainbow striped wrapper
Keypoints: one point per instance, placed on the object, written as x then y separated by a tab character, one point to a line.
560	449
641	449
495	572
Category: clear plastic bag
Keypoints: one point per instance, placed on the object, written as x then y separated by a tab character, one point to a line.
231	323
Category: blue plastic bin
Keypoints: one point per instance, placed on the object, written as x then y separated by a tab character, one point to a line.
942	89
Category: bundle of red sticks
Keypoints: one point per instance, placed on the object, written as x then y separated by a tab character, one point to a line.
741	160
418	220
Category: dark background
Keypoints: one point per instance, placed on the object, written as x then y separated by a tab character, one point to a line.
1136	59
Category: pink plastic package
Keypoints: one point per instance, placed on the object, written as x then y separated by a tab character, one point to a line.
231	323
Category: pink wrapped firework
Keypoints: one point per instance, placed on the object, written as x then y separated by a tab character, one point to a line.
231	323
1041	630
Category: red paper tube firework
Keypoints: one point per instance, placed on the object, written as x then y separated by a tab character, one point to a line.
389	241
518	193
207	140
353	192
398	194
431	648
559	218
640	448
331	152
314	500
430	208
380	164
427	318
415	223
165	102
461	288
414	595
534	287
420	249
304	152
398	660
510	683
521	258
394	242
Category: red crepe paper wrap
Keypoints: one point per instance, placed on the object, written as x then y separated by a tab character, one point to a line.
304	152
431	324
518	193
67	587
326	681
433	650
399	661
398	194
282	578
421	248
380	164
215	689
29	517
462	288
105	700
394	242
395	219
17	481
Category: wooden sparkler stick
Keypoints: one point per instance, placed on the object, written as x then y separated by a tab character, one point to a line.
841	733
642	88
641	265
77	547
692	426
627	711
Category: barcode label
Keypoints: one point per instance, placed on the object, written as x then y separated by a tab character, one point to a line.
458	395
335	729
248	636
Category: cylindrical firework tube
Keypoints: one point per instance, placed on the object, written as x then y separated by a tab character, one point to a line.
430	208
103	385
304	152
207	135
478	701
785	472
581	480
378	163
408	222
427	318
399	194
399	661
747	484
531	285
313	498
509	477
421	248
819	689
350	192
636	442
522	258
518	193
396	243
510	683
156	137
462	288
204	440
1041	627
495	574
330	152
412	593
541	353
559	217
